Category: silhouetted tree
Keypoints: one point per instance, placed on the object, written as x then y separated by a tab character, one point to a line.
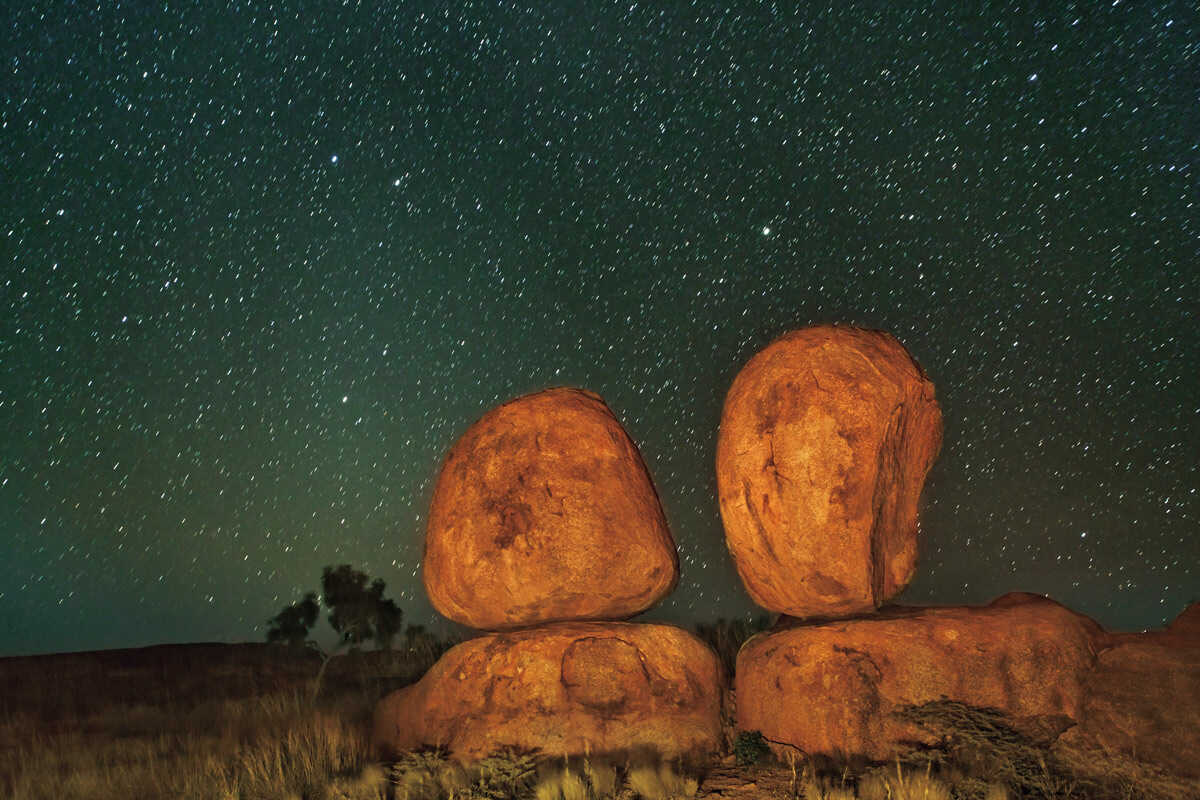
358	612
293	623
412	633
388	622
352	606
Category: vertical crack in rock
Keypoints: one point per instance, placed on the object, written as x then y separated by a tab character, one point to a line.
763	536
887	473
826	438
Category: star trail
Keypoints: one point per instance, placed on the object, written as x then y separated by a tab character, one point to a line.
263	263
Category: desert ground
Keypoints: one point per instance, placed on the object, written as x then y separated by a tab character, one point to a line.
241	721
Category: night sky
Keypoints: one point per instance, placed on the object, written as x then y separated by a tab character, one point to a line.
263	264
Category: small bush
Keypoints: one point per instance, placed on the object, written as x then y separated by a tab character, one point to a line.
426	775
506	774
981	741
750	747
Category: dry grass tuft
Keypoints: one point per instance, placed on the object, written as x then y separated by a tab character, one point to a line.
898	783
577	778
1112	776
561	783
814	789
660	782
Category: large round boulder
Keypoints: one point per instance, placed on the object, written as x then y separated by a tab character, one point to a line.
826	438
544	511
565	688
833	687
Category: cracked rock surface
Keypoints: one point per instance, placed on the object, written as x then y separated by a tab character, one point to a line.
564	688
833	687
826	438
544	511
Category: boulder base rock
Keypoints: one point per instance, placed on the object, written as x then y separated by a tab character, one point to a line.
1186	627
567	688
826	438
1143	698
544	511
831	687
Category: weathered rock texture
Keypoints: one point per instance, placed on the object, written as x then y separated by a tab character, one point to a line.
1143	698
832	687
544	511
566	688
826	438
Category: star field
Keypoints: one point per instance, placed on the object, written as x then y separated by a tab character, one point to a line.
262	264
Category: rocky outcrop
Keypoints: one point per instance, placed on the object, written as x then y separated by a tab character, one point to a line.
826	438
832	687
544	511
564	688
1143	697
1186	626
545	520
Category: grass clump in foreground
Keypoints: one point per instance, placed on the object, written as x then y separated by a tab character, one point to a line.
985	758
432	775
244	728
976	755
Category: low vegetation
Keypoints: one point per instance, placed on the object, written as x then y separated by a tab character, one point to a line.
152	724
278	746
216	721
977	755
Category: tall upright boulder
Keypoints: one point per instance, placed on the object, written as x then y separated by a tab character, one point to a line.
544	511
826	438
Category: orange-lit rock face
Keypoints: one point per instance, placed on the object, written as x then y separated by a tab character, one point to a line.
826	438
566	688
1143	698
832	687
544	511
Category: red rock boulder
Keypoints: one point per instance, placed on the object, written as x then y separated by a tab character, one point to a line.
542	512
832	687
1143	697
566	688
826	438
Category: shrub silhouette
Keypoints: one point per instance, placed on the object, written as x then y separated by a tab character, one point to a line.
292	624
358	612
